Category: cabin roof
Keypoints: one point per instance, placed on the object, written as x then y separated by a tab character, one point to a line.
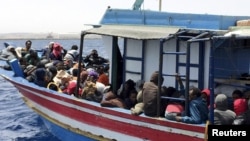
239	31
134	32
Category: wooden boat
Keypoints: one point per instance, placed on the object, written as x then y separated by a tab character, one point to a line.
198	54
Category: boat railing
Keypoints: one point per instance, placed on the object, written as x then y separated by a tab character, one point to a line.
199	37
172	98
161	73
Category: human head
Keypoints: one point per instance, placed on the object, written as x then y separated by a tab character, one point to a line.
237	94
154	78
194	93
170	91
33	53
11	48
51	45
94	53
75	72
53	70
93	75
139	84
28	44
83	75
205	94
100	69
57	47
74	47
129	84
221	102
133	95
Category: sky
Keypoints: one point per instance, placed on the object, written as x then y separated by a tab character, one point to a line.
71	16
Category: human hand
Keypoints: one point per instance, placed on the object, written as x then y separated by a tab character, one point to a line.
177	77
178	118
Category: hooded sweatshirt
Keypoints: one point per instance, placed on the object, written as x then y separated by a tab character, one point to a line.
149	92
243	118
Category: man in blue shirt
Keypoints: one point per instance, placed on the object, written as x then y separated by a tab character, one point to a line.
197	107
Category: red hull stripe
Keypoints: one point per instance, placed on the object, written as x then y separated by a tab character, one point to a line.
52	102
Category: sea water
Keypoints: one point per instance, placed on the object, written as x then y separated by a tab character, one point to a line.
17	121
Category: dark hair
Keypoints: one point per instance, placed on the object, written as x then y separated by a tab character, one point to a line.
40	65
74	72
238	92
28	41
75	47
53	70
130	83
170	91
196	91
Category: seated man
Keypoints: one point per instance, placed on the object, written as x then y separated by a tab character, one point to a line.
22	51
197	107
72	54
93	59
149	92
223	115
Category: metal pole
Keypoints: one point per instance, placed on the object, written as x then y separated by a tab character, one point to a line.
80	64
159	5
211	81
159	77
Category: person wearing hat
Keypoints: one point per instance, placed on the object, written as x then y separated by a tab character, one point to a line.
62	79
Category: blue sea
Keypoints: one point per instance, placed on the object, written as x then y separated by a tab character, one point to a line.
18	122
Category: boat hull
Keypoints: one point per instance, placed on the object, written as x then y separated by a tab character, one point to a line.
70	118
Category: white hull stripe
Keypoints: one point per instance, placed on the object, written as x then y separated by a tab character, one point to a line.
86	127
120	119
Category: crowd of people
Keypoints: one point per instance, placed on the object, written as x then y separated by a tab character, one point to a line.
57	69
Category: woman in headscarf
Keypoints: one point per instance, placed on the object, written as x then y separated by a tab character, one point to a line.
56	53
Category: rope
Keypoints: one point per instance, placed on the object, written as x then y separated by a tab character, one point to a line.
206	131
